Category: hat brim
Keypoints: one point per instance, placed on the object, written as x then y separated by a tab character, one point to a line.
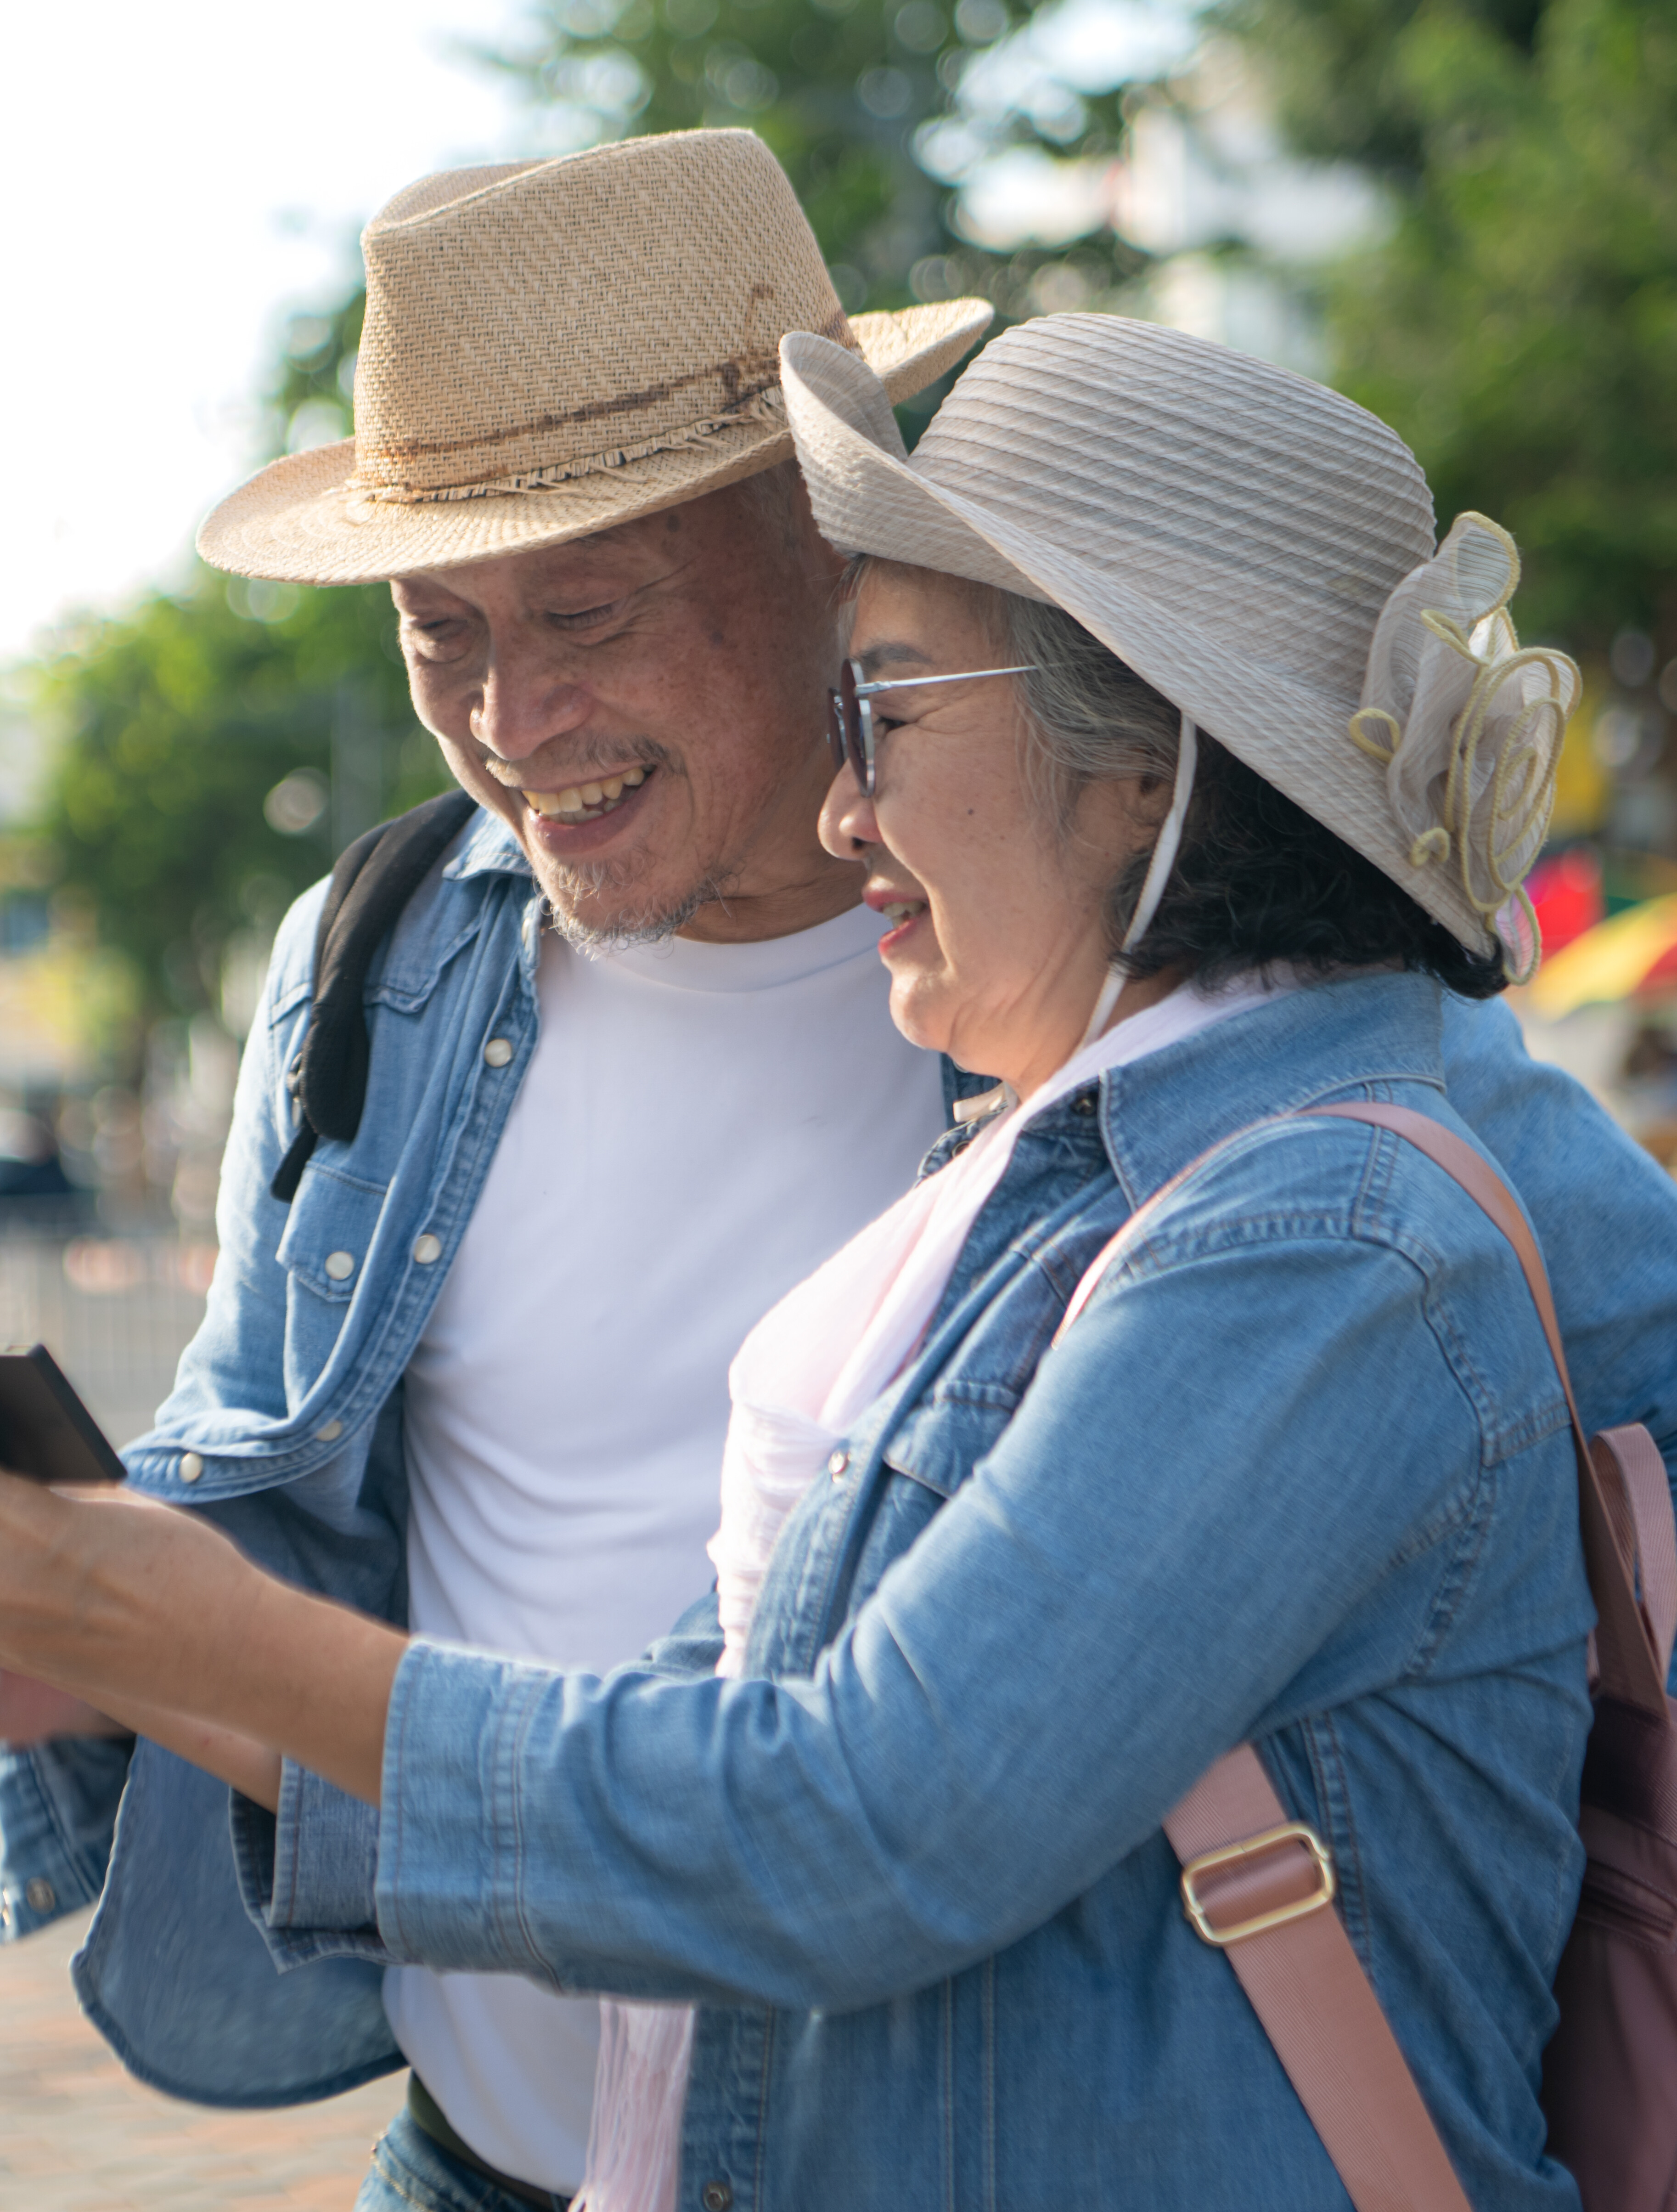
301	520
871	500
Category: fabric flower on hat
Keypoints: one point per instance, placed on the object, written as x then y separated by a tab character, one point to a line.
1468	723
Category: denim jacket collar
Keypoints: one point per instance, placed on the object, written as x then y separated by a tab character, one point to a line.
490	848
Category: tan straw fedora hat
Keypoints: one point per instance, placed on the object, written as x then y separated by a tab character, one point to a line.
554	347
1260	549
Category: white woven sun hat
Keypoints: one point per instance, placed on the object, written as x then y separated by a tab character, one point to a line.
551	348
1255	546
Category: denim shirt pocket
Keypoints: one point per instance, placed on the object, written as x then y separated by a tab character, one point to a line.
929	1454
329	1233
939	1441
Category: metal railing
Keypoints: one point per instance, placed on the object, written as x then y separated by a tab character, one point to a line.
115	1312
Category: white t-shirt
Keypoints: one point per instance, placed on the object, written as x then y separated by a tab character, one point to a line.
699	1126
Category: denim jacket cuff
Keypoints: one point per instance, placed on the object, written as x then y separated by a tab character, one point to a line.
57	1808
457	1728
307	1874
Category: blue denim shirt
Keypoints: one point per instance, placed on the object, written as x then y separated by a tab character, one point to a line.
290	1396
1301	1474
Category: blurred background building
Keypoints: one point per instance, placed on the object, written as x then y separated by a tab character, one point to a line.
1462	212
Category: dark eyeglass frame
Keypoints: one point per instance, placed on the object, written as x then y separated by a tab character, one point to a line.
851	734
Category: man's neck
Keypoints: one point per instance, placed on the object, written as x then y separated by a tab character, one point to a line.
749	918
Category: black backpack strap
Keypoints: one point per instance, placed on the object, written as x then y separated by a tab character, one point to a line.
372	882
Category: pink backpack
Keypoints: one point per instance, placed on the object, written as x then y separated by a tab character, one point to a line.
1259	1886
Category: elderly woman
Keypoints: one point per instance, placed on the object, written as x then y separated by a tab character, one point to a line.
1186	772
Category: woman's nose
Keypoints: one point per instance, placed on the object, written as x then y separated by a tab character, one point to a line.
847	824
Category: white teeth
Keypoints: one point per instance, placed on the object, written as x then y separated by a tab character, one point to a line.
585	802
905	911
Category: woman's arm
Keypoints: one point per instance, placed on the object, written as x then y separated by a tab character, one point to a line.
1238	1443
155	1618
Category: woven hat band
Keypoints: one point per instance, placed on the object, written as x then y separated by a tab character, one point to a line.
473	381
756	406
553	348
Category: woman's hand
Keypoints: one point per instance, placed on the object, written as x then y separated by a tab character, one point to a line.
151	1615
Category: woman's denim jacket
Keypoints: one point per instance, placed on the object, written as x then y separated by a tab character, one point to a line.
1300	1473
291	1398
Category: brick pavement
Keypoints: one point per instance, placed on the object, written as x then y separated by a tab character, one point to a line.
77	2134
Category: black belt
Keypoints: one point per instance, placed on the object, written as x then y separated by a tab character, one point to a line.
426	2113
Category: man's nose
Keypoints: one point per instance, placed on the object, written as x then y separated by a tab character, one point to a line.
524	703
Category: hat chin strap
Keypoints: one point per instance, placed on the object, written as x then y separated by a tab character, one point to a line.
1152	885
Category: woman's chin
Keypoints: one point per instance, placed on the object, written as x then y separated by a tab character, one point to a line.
919	1006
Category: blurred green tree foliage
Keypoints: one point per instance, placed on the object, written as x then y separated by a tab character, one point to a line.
175	724
878	113
1520	324
1340	72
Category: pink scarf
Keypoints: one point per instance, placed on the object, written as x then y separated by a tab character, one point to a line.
807	1371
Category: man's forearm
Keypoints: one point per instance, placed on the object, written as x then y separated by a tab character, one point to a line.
314	1681
33	1712
250	1767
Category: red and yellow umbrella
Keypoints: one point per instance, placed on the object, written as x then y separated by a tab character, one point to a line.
1633	955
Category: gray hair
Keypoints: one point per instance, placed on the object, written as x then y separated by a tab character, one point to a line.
1092	718
772	499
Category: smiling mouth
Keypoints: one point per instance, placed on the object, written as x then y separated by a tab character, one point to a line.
586	802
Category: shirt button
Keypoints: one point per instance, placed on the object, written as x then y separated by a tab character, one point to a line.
716	2196
330	1434
498	1051
191	1467
426	1248
1085	1102
837	1464
340	1265
40	1896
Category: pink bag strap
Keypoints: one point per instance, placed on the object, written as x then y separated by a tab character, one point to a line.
1257	1885
1624	1494
1255	1882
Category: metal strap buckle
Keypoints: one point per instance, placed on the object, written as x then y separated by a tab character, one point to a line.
1290	1832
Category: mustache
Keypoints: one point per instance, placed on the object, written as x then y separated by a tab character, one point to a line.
577	765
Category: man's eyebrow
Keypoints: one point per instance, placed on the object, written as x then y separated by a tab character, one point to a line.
893	650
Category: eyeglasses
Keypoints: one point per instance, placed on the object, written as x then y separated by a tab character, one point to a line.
850	726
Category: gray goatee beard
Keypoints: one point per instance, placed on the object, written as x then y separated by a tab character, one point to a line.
578	883
629	926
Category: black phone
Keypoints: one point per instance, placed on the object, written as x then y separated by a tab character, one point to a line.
46	1433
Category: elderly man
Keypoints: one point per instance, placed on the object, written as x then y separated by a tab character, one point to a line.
463	1364
472	1371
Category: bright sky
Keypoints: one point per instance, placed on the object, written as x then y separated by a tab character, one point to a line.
178	176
